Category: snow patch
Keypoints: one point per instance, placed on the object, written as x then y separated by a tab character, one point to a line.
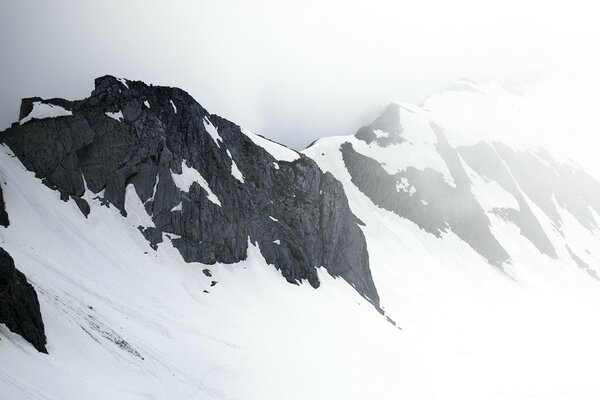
136	212
123	81
279	152
212	131
190	175
174	107
117	116
405	186
381	134
42	111
235	171
146	103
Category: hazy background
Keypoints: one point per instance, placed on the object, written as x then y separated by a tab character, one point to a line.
293	70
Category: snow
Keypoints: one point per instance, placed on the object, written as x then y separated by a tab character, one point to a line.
275	165
178	207
174	107
212	131
478	333
489	194
277	241
190	175
468	331
123	81
42	110
273	219
146	104
417	151
237	174
135	209
381	134
100	286
277	151
117	116
405	186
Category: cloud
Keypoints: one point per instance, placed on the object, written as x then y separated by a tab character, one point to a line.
291	70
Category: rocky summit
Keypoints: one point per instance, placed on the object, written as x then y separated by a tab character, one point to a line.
204	181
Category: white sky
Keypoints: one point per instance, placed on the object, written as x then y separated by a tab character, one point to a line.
293	70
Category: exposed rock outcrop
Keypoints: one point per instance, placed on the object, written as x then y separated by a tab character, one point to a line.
201	178
3	214
19	306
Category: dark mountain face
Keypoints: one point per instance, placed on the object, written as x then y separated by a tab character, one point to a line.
128	133
19	306
3	214
436	206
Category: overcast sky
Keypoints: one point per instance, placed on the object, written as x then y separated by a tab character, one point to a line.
290	70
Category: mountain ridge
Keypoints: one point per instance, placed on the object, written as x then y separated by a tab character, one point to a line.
162	142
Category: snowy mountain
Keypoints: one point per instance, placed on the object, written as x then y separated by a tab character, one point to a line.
172	254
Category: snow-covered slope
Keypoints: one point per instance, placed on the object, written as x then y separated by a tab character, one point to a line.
488	252
486	277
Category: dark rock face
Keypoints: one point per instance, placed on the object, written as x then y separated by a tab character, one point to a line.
19	306
3	214
388	123
434	205
423	196
297	215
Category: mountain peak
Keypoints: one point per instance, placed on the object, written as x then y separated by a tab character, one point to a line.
156	143
385	129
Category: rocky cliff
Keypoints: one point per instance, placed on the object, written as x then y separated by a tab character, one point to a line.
207	183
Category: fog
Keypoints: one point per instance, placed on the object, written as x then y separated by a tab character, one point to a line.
294	70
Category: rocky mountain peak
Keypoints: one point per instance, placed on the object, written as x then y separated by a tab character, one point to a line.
207	185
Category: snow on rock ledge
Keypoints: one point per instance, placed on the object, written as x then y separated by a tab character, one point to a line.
44	110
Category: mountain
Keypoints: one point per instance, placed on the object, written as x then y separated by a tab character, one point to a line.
154	250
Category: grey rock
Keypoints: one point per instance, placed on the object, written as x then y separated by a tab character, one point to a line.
19	306
315	227
582	264
432	204
3	214
435	206
484	160
388	122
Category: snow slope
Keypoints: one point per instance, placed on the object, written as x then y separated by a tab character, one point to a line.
126	322
525	331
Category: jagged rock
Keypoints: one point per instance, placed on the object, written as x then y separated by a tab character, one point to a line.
19	306
3	214
128	133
